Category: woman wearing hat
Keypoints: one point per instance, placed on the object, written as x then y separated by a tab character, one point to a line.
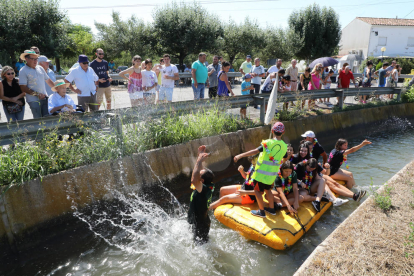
12	95
59	101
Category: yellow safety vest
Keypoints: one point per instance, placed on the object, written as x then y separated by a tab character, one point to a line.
266	170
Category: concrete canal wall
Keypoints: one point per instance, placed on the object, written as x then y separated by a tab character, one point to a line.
28	209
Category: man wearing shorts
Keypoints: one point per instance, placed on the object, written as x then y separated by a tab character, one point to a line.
101	68
169	74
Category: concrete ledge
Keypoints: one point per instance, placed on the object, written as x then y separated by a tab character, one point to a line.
330	240
23	208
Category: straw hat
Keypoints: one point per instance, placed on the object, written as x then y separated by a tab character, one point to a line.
60	83
28	52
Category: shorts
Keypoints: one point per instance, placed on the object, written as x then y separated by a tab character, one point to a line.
136	95
212	92
200	229
261	187
158	88
104	90
165	94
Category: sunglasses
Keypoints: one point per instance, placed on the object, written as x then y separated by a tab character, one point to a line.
10	74
84	63
101	54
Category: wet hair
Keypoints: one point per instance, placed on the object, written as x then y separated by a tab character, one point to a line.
225	64
385	64
286	78
307	69
285	166
148	61
339	143
301	146
282	71
369	62
208	176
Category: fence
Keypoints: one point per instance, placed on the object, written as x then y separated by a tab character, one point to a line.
34	129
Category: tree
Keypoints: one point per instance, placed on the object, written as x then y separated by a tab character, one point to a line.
27	23
131	35
81	41
280	43
183	29
240	38
319	29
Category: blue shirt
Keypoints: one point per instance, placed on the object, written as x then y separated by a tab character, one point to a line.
201	72
19	65
57	100
51	75
244	85
381	76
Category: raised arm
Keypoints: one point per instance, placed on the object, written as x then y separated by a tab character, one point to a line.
245	154
196	176
354	149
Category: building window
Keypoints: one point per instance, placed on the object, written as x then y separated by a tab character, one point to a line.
382	41
410	42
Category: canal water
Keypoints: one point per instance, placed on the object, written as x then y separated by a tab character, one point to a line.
137	237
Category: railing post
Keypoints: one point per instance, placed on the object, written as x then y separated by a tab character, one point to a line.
340	94
262	110
398	92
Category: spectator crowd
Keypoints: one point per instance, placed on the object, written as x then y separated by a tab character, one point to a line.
32	81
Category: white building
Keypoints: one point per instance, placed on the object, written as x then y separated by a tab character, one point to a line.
365	36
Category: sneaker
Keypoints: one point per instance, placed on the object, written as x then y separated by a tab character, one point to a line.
258	213
316	205
324	198
270	210
360	195
339	201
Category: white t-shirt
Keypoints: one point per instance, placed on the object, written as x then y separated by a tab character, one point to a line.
168	71
149	78
257	70
274	69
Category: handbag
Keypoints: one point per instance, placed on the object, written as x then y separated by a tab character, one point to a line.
14	108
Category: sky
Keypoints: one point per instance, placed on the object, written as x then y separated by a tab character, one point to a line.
265	12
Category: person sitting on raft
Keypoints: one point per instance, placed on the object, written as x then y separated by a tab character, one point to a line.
271	152
338	156
342	190
286	186
303	154
311	181
289	153
234	193
317	149
202	184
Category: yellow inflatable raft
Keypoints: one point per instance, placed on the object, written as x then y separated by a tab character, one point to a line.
278	231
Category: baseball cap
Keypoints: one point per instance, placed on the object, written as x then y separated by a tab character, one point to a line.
247	76
43	59
248	56
82	58
309	134
278	127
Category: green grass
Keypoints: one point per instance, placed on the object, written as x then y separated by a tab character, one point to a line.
27	160
367	105
383	199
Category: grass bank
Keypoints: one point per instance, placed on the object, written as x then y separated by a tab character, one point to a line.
27	160
377	239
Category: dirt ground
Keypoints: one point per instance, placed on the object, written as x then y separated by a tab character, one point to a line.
373	241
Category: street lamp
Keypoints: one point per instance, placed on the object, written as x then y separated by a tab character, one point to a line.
383	49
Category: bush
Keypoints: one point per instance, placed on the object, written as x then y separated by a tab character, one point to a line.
383	199
408	96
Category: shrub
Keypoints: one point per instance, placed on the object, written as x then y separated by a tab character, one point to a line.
408	96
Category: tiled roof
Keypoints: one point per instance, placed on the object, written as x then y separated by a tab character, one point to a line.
387	21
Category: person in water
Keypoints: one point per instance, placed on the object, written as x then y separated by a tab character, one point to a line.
312	184
338	156
271	152
303	153
234	193
202	183
286	186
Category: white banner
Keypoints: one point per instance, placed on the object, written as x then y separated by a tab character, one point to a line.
271	106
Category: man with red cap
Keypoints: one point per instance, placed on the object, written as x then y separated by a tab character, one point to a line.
271	152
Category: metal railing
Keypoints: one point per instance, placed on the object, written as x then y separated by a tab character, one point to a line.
34	129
